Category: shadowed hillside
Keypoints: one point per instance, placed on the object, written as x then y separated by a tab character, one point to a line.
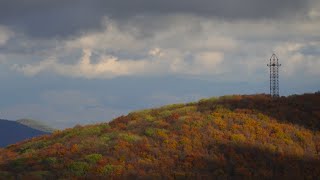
227	137
12	132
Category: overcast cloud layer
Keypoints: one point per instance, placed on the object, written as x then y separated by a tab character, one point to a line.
42	18
67	63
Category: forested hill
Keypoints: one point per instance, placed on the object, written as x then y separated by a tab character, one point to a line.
246	137
12	132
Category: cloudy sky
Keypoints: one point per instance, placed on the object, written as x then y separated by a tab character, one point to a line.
68	62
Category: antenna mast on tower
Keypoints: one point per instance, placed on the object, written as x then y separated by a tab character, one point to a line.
274	76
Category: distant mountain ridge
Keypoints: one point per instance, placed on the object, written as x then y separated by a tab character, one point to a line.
12	132
36	125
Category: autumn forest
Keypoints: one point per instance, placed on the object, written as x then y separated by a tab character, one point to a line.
238	136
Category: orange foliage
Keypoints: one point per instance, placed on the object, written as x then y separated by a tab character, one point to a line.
241	137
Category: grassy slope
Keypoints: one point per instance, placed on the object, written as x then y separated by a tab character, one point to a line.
232	136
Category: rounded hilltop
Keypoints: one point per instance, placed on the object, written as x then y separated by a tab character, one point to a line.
239	136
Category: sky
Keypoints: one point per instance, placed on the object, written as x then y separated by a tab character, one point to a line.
67	62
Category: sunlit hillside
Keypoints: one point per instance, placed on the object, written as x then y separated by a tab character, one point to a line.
231	136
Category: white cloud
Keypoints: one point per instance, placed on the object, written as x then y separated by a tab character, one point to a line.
202	63
111	66
295	62
209	59
107	67
111	38
314	12
157	52
180	45
5	35
32	70
177	51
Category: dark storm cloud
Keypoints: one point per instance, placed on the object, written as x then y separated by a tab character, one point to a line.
50	18
44	18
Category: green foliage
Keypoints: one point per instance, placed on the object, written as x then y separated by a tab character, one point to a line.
6	175
164	114
171	107
129	137
30	147
162	134
93	158
149	118
80	131
156	133
87	131
50	160
150	132
79	168
107	169
18	164
106	138
262	117
238	138
140	112
211	100
283	136
38	175
185	110
104	126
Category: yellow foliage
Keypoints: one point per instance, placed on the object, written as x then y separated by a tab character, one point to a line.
238	138
220	123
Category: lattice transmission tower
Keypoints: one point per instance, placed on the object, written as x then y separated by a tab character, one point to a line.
274	76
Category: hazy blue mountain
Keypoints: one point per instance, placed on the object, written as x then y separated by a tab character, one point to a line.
12	132
36	125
